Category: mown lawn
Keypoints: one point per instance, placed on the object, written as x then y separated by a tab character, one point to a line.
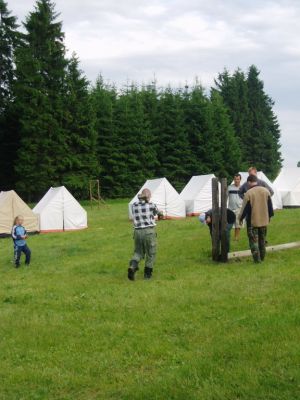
73	327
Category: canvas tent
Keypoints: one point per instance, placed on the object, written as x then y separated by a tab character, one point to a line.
11	205
164	196
59	211
287	184
197	194
276	198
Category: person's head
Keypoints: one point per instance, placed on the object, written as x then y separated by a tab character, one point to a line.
252	171
252	180
237	179
19	220
145	195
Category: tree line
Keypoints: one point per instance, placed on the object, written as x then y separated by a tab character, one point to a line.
58	129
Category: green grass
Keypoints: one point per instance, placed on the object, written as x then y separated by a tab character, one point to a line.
73	327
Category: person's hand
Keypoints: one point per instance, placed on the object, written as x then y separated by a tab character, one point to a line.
160	215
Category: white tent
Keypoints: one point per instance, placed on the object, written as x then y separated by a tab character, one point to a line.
59	211
164	196
276	198
197	194
11	205
287	184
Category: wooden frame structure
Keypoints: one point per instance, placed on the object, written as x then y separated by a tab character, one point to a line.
95	196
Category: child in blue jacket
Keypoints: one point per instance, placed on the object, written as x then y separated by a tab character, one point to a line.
19	237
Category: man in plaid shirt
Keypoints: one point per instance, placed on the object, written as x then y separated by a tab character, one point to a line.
144	213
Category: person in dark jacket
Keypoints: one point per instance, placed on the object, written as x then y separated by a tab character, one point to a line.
206	218
245	186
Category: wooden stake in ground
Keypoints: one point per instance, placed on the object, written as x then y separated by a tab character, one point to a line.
215	234
223	216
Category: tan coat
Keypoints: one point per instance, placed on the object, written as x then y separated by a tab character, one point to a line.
257	198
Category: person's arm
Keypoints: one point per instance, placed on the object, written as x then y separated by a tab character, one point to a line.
157	212
270	207
264	184
245	209
13	233
243	190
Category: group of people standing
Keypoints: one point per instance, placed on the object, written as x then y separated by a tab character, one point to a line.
250	201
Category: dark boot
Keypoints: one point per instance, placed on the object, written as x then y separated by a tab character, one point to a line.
133	267
147	273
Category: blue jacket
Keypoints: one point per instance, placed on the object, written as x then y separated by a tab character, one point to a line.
16	233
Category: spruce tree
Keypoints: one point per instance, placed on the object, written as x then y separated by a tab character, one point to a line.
9	139
197	125
223	153
265	138
251	112
78	154
39	90
234	91
104	98
133	129
174	153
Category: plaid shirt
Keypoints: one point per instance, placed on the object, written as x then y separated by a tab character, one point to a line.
143	214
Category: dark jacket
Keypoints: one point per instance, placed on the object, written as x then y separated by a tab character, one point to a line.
230	218
244	188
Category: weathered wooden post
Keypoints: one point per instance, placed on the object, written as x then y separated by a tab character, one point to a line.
215	236
224	241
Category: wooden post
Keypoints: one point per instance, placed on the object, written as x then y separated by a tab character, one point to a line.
215	236
224	241
269	249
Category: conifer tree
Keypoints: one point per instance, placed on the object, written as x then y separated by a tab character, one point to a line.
223	153
40	70
265	129
78	154
234	91
197	125
8	131
135	140
253	118
104	99
174	153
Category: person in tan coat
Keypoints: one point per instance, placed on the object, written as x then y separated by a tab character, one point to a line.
257	208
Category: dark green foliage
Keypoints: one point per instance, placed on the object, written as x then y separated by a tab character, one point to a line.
78	154
103	99
174	154
8	42
40	70
223	153
137	157
254	121
57	123
8	134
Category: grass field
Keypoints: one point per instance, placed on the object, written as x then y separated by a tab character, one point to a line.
73	327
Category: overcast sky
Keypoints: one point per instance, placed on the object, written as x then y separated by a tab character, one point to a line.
177	40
